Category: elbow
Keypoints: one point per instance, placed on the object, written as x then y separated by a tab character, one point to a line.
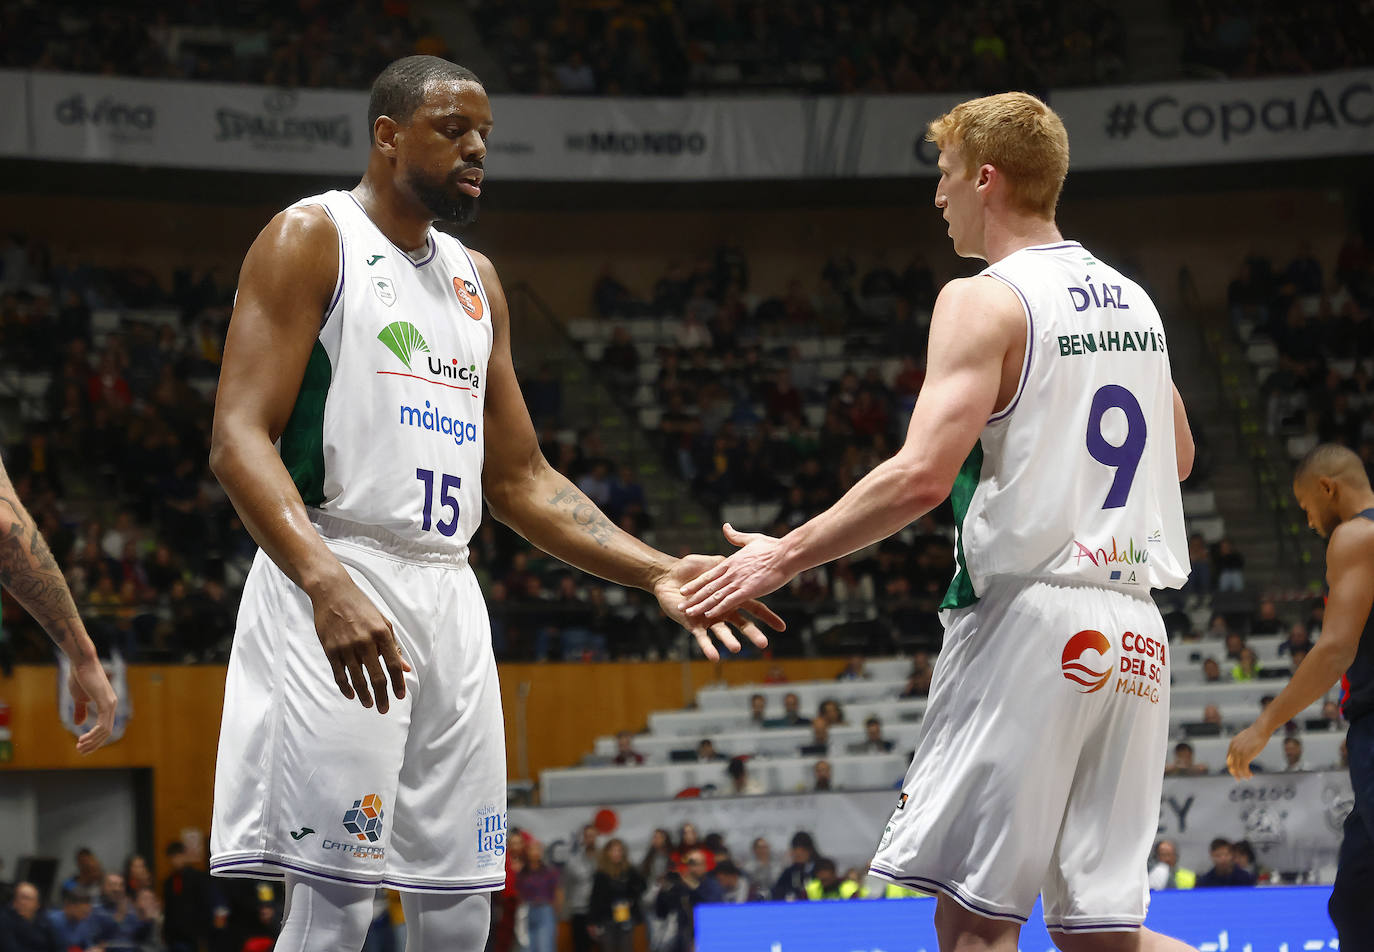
1186	451
926	489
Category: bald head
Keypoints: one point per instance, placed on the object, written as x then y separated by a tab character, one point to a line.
1335	462
1332	486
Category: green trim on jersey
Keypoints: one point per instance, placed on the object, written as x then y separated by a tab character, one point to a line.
960	593
302	442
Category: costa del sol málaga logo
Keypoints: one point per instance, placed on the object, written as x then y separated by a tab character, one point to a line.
1081	673
364	818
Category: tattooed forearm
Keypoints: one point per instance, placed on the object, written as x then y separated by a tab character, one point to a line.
585	514
31	574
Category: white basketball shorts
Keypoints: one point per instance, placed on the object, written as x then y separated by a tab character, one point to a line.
311	783
1041	759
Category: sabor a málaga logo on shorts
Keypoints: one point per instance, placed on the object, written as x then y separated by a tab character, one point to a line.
363	824
490	822
1089	674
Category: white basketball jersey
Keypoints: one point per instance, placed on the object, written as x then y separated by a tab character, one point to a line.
1077	477
387	428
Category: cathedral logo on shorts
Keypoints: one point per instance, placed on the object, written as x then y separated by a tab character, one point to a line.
901	802
490	821
364	818
385	289
468	298
1077	662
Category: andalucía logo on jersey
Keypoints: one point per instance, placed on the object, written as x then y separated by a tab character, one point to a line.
1080	672
404	340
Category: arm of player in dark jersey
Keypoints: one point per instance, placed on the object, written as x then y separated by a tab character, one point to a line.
1350	577
973	327
30	573
287	281
526	493
1184	449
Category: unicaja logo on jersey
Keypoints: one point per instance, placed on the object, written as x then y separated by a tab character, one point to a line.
404	340
1080	672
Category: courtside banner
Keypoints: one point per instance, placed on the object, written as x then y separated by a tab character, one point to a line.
14	114
197	125
1263	919
587	139
1294	117
1293	820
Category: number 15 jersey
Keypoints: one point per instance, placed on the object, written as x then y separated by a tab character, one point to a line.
387	429
1077	477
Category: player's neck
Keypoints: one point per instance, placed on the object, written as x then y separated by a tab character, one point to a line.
1356	504
405	223
1007	234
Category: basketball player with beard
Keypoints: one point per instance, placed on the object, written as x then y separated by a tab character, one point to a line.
367	405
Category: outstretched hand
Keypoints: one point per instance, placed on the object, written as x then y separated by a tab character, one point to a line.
738	581
669	593
91	691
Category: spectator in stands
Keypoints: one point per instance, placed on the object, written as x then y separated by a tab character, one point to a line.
137	876
625	753
1296	658
23	927
1211	671
89	877
742	783
579	871
1230	566
1183	764
820	739
1266	621
1211	714
682	893
791	713
822	776
791	883
761	870
1199	585
918	681
1298	639
735	887
658	859
832	712
758	705
541	892
1331	714
688	839
79	923
187	901
615	909
1235	642
117	903
1165	872
1292	756
1248	667
826	883
873	742
854	670
1224	871
706	752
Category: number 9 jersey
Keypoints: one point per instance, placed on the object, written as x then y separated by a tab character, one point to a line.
386	431
1077	477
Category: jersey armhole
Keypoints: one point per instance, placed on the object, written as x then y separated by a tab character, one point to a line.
339	281
1006	411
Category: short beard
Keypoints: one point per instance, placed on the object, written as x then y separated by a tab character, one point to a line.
439	200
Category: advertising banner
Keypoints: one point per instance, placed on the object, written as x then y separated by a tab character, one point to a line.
1266	919
1293	820
14	113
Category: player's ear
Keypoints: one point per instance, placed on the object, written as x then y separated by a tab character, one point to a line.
384	135
986	173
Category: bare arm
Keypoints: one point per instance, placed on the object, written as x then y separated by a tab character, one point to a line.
1184	449
1350	576
287	282
526	493
975	323
30	573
